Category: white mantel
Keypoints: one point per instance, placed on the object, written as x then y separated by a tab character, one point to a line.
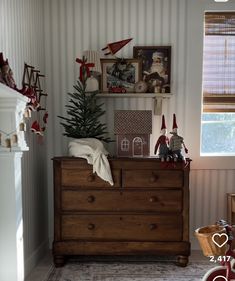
12	105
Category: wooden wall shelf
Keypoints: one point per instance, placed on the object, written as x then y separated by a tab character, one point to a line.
134	95
158	97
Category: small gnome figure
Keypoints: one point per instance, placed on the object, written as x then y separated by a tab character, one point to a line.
162	143
176	143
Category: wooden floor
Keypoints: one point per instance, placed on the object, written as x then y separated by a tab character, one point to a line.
45	265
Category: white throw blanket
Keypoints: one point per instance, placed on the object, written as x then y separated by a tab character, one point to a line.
94	152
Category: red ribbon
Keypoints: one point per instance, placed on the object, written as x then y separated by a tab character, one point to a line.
86	66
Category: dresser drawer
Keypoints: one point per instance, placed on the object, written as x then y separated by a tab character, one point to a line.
85	178
152	178
121	227
116	200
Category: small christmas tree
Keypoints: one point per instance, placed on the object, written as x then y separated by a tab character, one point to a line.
83	111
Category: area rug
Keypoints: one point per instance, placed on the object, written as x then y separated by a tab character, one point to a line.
129	271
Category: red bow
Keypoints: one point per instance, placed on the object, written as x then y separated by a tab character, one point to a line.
84	65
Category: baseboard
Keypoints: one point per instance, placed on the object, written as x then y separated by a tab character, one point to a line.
34	258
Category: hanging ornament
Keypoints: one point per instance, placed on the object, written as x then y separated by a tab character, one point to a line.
22	127
8	143
35	128
27	113
14	139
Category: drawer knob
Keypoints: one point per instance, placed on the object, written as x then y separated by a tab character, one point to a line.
91	226
153	178
90	199
153	199
91	178
152	226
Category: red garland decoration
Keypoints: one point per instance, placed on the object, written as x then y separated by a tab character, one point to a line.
85	66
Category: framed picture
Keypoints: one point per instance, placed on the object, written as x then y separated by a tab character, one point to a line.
120	75
156	67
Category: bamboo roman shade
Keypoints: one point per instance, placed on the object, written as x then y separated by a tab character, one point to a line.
219	62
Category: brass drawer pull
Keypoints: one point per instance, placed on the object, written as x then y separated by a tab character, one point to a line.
90	199
153	199
152	226
91	178
91	226
153	178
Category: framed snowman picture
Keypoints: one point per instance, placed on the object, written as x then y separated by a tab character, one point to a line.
156	67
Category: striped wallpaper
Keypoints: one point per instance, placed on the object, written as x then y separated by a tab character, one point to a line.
73	26
50	34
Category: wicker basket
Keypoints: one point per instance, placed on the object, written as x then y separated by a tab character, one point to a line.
204	236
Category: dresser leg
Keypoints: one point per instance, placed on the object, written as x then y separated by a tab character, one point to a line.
59	261
182	261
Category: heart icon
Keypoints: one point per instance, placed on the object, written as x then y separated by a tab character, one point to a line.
221	244
220	276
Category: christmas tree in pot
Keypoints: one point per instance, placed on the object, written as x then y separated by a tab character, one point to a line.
83	111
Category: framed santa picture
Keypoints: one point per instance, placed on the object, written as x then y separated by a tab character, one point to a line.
156	67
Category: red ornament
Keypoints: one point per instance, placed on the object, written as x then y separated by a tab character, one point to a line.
35	128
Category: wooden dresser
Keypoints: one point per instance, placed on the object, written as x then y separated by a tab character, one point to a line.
146	212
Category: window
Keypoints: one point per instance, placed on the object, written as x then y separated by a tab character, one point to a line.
125	144
218	117
218	134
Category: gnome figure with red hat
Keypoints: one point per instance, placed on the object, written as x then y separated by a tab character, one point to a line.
176	143
162	143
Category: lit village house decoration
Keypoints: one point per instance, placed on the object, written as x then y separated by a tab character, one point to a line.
132	129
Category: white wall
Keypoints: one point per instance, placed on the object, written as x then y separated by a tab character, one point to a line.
21	40
72	26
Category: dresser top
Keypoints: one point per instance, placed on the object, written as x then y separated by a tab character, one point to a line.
125	163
